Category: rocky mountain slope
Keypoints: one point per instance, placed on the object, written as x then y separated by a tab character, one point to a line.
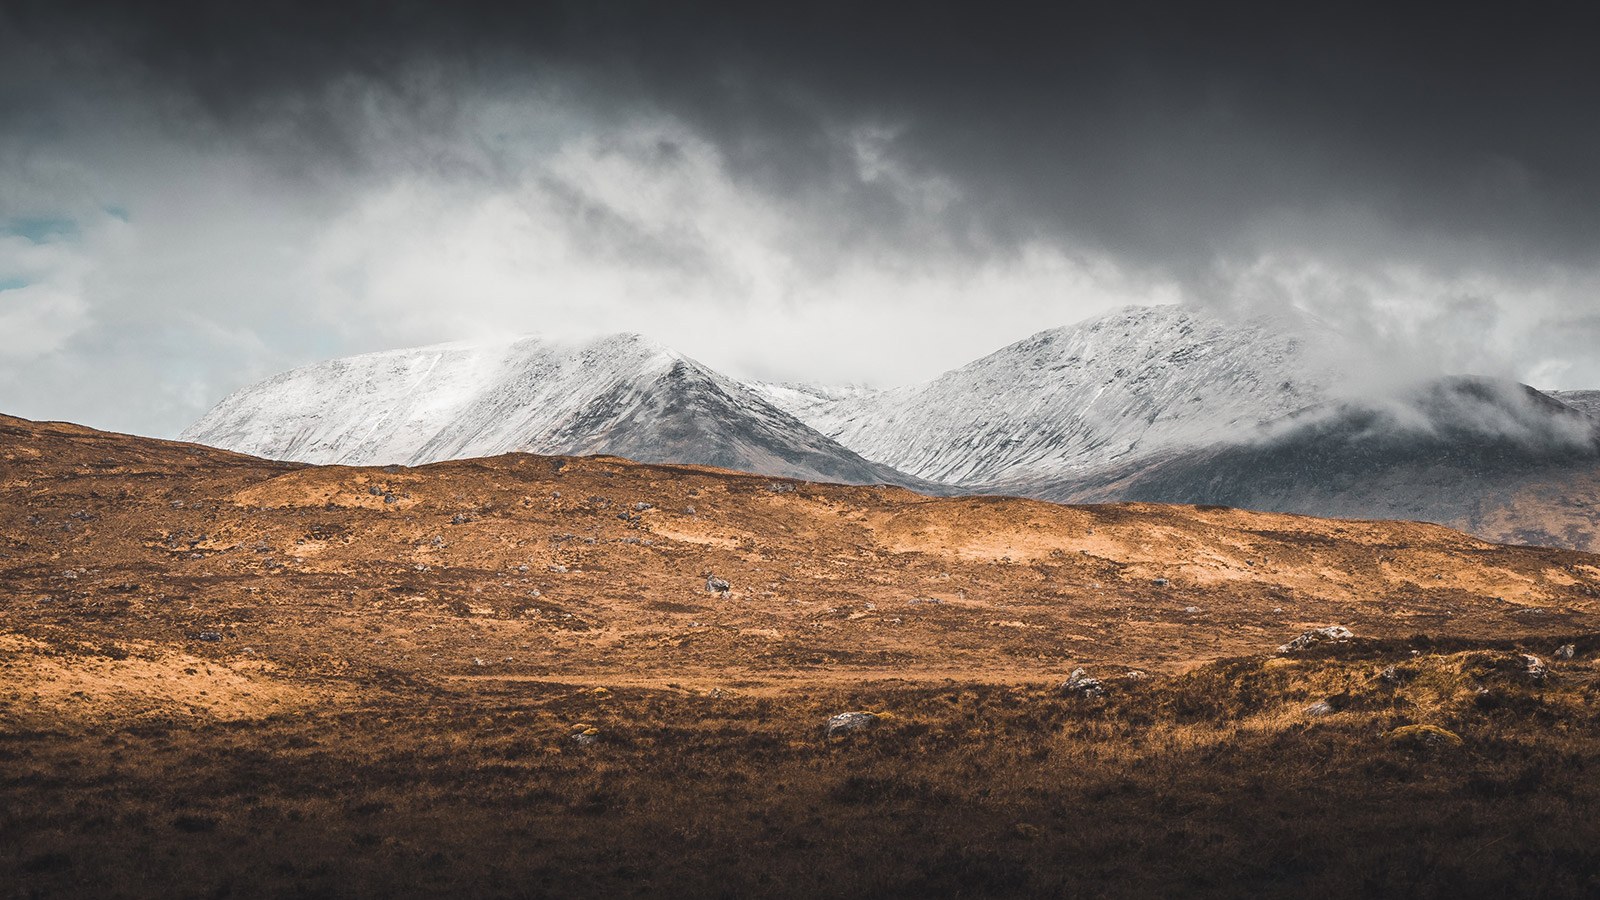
1071	399
621	395
1587	402
1497	459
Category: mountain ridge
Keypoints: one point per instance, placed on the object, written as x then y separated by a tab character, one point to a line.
1493	458
1109	388
1152	404
621	395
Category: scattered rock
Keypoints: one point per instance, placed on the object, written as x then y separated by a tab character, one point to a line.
1566	651
923	600
1321	708
641	506
847	722
1161	582
1135	675
1191	610
584	735
559	570
209	636
1536	668
780	487
1333	634
374	490
717	585
460	519
1425	736
688	510
1391	675
1079	684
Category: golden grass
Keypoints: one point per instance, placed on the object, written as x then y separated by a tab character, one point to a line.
222	676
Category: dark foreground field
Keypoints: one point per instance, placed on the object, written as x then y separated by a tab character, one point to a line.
1212	783
222	676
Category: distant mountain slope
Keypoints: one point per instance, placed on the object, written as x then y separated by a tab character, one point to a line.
824	407
620	395
1584	401
1069	399
1495	459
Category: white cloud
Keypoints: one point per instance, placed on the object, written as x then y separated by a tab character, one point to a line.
532	212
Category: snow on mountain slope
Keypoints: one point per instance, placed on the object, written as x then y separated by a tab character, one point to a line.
1493	458
817	405
1068	399
1587	402
621	395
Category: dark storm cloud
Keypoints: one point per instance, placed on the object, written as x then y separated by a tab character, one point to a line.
1154	130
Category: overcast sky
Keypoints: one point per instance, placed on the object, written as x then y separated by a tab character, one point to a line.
194	196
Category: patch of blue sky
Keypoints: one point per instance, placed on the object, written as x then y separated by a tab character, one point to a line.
40	230
12	284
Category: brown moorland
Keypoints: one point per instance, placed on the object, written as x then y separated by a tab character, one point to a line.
227	676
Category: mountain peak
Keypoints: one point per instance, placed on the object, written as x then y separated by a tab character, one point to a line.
1122	383
622	394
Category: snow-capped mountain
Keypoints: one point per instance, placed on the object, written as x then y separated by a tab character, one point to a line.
1161	404
1070	399
817	405
622	395
1494	458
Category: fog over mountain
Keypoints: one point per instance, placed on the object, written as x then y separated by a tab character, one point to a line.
1493	458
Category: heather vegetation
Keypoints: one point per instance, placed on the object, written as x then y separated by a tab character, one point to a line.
1445	769
531	676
